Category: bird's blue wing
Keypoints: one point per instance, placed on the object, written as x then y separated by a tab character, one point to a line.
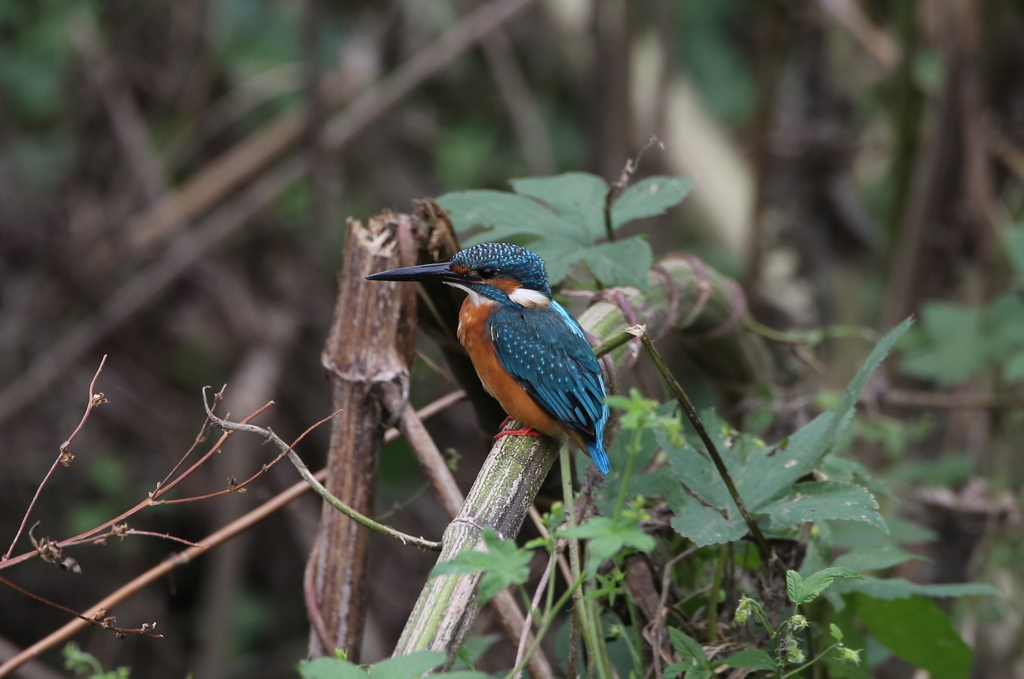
546	351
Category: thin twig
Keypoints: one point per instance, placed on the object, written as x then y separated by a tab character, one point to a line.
319	487
534	605
220	536
767	555
98	619
64	457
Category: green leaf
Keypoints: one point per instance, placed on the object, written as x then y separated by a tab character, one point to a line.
690	652
704	525
330	668
577	197
503	564
624	262
898	588
560	254
823	500
751	659
608	537
837	633
407	666
875	558
501	215
649	197
802	591
949	344
847	405
918	631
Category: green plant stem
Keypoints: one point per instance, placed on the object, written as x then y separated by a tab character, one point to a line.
609	229
590	637
716	584
634	450
617	341
809	663
636	647
767	555
543	629
319	487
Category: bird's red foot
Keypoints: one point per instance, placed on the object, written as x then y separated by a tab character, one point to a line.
524	431
505	423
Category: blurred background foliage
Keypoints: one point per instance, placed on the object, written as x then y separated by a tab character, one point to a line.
174	189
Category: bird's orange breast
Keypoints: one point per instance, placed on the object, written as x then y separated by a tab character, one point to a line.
496	380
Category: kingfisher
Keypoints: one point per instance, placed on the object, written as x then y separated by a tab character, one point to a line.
528	351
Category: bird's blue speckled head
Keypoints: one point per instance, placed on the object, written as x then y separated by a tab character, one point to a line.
490	269
503	273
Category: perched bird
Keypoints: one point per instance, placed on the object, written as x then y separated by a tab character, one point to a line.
529	352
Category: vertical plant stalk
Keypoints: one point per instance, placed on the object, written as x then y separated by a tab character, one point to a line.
368	362
691	413
582	606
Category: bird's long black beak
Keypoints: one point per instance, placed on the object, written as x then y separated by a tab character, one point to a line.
439	271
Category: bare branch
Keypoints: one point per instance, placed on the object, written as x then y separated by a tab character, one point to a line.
319	487
65	457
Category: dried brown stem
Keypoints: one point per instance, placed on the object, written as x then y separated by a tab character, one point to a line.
226	533
323	492
152	500
64	457
97	619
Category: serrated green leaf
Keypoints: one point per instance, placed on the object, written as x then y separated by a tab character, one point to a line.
898	588
847	405
704	525
608	537
649	197
502	564
808	590
751	659
875	558
501	215
624	262
560	255
577	197
330	668
688	649
407	666
794	586
918	631
821	501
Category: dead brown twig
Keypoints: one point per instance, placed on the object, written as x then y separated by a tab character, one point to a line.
98	532
64	458
226	533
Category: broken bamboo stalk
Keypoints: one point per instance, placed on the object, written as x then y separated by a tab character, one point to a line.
368	357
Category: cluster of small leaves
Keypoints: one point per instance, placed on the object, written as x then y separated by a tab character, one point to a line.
561	218
501	561
402	667
958	341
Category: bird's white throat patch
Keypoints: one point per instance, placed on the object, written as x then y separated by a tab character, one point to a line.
475	298
529	298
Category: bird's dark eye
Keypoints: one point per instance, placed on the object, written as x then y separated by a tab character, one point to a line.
487	272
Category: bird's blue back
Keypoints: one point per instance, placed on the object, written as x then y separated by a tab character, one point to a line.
546	351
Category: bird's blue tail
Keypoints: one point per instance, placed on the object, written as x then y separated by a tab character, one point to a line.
595	449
